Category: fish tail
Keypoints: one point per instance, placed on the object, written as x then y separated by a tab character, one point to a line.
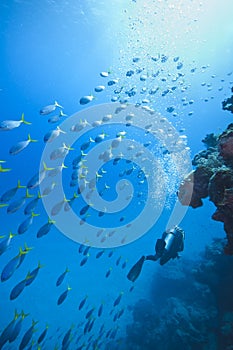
40	265
30	139
23	315
64	166
39	195
60	130
12	235
16	315
20	186
67	147
57	104
2	205
34	214
29	195
27	248
24	121
4	170
46	168
34	323
22	252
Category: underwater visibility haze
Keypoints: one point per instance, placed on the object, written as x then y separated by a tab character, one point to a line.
116	140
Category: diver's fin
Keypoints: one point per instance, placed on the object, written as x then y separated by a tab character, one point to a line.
136	269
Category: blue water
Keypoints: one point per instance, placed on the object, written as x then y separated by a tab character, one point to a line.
55	50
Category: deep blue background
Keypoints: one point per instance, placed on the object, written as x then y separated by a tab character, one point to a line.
55	50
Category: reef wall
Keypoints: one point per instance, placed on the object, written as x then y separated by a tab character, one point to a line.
213	178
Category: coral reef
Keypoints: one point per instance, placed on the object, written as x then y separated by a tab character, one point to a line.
193	310
213	178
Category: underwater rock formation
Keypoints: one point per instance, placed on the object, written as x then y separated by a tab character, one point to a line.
213	178
193	311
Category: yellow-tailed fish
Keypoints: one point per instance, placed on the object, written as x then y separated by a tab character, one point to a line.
4	244
38	177
7	125
20	146
44	230
9	194
17	204
50	108
24	226
63	296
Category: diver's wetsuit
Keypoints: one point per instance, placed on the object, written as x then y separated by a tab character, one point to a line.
168	246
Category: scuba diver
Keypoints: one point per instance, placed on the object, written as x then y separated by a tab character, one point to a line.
166	248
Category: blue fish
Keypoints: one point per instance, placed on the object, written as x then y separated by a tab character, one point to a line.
43	335
87	144
61	277
53	134
44	230
82	303
99	88
120	313
70	202
32	205
57	207
118	260
20	146
77	160
22	257
5	243
17	327
63	296
124	264
17	204
118	299
99	138
89	313
13	264
18	288
37	179
7	332
66	339
115	317
108	272
99	254
32	275
87	325
81	248
100	310
86	99
27	336
50	108
84	260
84	209
91	325
110	254
8	195
86	250
7	125
24	226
